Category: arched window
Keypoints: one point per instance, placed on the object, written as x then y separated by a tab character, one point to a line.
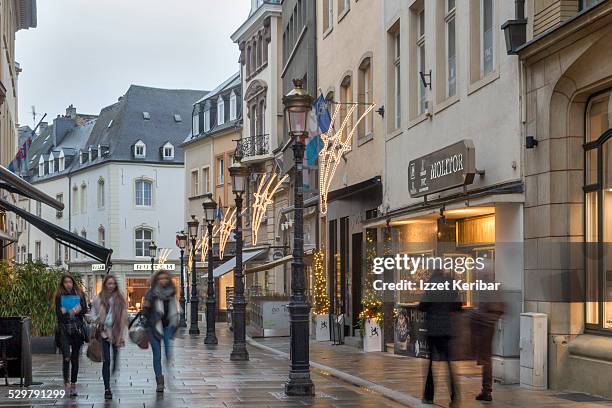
75	199
142	239
598	211
143	193
84	198
220	111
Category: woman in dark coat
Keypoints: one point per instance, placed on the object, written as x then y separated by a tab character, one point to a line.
161	313
440	308
70	330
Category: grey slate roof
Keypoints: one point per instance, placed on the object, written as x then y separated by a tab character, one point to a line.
129	126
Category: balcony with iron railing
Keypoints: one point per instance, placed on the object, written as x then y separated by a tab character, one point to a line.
256	146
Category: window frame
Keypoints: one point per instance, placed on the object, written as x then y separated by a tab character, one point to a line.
421	60
484	74
206	120
450	15
205	181
143	241
143	181
83	198
397	77
195	183
220	111
101	196
596	187
220	170
140	145
233	106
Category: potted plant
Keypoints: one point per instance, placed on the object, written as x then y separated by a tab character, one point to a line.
371	324
28	290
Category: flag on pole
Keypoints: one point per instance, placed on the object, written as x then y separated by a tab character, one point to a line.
319	122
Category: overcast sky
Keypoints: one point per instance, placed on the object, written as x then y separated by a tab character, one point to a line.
88	52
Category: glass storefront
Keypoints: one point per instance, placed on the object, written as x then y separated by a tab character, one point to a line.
598	212
137	289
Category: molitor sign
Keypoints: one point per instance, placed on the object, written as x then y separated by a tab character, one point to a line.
449	167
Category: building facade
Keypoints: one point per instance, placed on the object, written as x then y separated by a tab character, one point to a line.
117	175
209	151
14	16
350	74
566	87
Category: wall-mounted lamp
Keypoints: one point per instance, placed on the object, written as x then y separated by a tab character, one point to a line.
381	111
530	142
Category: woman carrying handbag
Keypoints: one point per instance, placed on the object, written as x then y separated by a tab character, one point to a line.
110	314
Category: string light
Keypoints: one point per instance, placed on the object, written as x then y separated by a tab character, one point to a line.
225	229
163	255
321	300
371	302
263	198
334	147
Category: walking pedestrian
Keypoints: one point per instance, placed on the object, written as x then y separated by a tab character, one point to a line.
490	309
70	307
440	308
110	315
161	313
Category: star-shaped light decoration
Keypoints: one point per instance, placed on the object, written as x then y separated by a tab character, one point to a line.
263	198
335	144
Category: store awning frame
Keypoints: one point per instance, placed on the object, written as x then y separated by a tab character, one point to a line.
64	237
226	267
15	184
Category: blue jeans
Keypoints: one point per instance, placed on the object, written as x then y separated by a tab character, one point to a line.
156	348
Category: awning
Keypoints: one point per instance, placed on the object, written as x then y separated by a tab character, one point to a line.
17	185
356	189
67	238
231	264
269	265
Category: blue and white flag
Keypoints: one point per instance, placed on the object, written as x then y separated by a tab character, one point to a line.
319	122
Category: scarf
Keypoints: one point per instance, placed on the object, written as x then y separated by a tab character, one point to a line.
119	311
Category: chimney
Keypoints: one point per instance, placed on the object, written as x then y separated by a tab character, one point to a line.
61	126
42	127
71	112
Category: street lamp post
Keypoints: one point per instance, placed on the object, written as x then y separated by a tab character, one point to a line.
239	173
297	106
209	205
181	242
192	226
153	254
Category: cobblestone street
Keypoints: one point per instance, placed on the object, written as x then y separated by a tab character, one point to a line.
201	376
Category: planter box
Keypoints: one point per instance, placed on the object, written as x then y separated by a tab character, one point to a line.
43	345
322	327
373	336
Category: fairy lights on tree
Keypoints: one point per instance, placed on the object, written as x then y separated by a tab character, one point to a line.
263	198
321	300
335	144
371	301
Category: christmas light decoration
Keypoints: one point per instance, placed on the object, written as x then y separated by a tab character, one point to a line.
163	255
371	301
263	198
321	300
335	144
225	229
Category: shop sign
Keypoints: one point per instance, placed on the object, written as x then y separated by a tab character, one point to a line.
147	267
450	167
98	267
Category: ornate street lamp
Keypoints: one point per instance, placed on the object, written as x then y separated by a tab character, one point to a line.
298	104
209	205
239	173
181	242
152	254
192	227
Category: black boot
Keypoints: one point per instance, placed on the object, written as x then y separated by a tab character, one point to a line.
108	395
160	383
484	396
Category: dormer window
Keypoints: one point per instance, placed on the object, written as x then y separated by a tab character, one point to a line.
140	150
233	106
207	120
177	118
168	151
61	164
146	115
99	151
195	126
90	154
82	157
41	166
51	163
220	111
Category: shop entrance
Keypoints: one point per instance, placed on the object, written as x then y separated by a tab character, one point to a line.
356	271
137	289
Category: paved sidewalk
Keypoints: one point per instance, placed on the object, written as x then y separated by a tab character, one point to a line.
402	378
200	376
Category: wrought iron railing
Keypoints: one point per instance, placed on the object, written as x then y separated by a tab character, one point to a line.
254	145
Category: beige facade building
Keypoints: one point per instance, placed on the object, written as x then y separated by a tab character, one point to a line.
350	72
209	150
15	15
566	93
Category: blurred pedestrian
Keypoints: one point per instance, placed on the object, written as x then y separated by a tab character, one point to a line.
160	310
490	308
440	307
70	307
110	315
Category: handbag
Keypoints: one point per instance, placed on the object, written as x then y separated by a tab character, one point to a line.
94	349
84	331
138	332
